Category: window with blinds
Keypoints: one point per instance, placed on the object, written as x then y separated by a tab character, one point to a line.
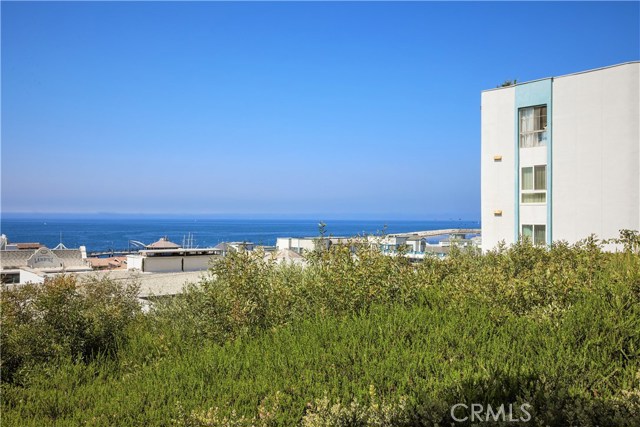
533	126
533	184
536	233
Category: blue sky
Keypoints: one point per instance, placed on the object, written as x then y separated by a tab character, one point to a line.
339	110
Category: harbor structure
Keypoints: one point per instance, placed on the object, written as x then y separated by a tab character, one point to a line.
560	157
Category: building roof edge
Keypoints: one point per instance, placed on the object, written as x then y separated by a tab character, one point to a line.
566	75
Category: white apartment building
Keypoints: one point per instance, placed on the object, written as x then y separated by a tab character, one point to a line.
560	157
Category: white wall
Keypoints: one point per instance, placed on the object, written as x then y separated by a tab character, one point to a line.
197	262
498	177
134	262
283	243
162	264
169	264
30	277
596	153
294	243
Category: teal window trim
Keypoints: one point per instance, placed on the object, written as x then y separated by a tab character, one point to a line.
517	175
550	166
530	95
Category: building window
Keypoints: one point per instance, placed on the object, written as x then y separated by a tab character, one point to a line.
537	234
533	126
534	184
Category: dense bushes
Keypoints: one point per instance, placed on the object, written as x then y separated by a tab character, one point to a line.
246	293
63	318
348	340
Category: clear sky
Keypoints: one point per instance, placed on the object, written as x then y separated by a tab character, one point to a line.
344	110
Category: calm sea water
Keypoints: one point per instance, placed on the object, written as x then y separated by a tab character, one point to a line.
107	234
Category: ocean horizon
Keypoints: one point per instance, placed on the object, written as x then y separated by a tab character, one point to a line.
99	233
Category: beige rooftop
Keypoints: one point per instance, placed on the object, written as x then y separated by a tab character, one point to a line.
163	243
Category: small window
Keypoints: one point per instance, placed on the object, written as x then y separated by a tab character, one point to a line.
533	126
533	184
537	233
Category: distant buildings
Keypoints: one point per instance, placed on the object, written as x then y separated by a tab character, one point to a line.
33	262
301	245
417	246
164	256
560	157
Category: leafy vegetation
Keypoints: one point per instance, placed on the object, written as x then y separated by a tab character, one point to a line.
350	340
63	318
508	83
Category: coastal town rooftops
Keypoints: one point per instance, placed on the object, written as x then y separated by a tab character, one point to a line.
29	245
177	251
108	263
226	246
14	259
285	256
223	246
67	258
163	243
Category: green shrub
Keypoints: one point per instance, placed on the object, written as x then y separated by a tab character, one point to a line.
245	293
265	344
64	317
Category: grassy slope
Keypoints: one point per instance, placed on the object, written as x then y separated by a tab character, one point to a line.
432	355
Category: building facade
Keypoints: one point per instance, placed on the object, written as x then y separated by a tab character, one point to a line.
560	157
22	263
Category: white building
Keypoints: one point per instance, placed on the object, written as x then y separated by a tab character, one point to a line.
164	256
171	260
561	157
301	245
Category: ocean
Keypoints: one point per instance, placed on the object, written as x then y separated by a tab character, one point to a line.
107	234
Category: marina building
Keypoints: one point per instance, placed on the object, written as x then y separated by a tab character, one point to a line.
560	157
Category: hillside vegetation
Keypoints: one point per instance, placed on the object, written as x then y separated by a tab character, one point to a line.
364	340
